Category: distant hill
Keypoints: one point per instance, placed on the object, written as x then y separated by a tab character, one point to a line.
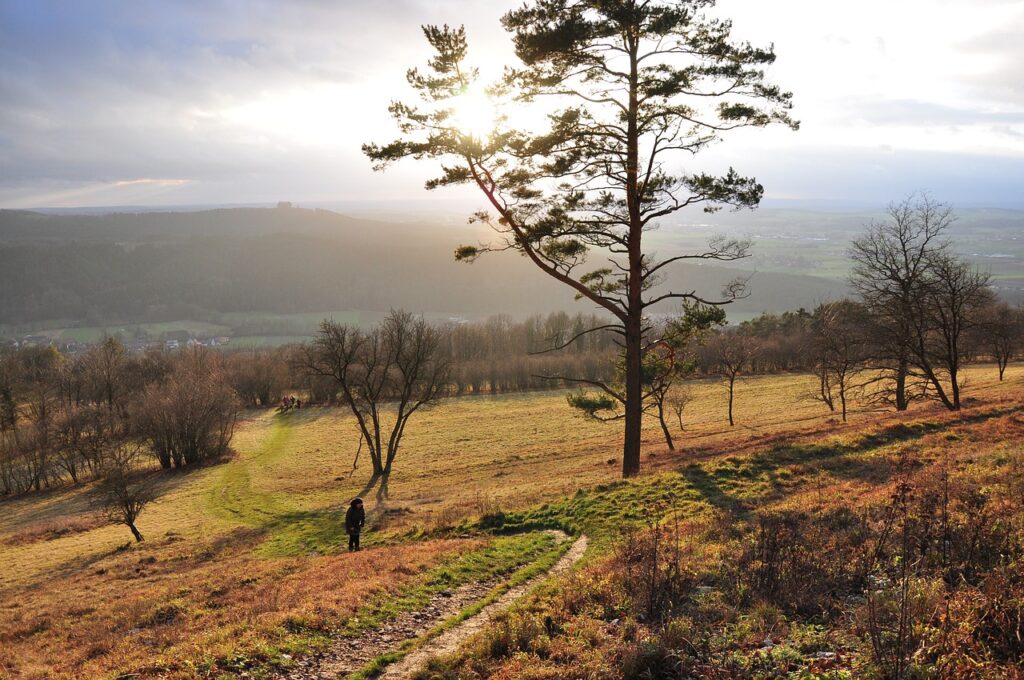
161	265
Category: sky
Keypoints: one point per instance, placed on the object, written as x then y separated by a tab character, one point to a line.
199	102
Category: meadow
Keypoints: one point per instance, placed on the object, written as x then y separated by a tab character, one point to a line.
243	568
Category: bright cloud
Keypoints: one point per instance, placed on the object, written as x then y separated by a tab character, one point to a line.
268	100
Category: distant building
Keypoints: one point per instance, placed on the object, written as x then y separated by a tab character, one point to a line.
36	341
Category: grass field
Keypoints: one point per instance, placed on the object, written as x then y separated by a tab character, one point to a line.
91	334
244	560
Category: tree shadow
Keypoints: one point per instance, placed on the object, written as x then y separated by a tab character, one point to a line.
710	489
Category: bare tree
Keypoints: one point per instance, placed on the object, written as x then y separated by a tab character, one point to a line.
1001	333
385	376
890	265
840	352
955	297
8	422
259	377
105	368
191	415
732	354
124	490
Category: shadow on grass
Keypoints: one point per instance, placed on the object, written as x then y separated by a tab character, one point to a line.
710	489
735	485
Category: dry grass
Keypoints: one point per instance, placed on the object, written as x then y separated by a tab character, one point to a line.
176	609
597	623
235	552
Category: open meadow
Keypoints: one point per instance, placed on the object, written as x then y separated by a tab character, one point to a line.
244	569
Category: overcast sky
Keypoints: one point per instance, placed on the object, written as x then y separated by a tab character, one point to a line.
147	102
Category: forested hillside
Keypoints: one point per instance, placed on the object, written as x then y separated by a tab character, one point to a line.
164	266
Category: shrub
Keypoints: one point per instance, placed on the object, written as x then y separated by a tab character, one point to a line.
191	416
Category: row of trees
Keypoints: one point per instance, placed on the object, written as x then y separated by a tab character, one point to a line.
64	418
93	415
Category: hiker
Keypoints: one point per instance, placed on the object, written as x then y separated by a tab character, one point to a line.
354	520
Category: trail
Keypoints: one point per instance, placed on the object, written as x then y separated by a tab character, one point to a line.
449	641
348	655
233	496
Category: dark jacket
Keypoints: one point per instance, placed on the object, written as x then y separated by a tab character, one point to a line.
354	519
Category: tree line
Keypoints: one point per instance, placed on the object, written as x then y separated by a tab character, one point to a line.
67	419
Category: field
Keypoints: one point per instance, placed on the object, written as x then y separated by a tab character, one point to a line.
243	567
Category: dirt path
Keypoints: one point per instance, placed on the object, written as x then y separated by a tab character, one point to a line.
449	641
348	655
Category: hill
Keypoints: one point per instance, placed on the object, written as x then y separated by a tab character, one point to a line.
243	569
119	268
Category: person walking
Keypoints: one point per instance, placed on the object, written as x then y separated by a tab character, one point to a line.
355	518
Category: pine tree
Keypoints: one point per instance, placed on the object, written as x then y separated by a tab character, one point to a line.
628	86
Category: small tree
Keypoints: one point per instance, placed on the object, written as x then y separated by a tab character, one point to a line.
666	362
385	376
123	490
1001	333
732	352
839	349
678	399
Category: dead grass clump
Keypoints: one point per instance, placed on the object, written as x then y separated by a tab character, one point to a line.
56	528
801	562
162	615
448	516
653	565
514	632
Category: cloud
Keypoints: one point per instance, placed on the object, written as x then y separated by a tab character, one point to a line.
266	100
922	113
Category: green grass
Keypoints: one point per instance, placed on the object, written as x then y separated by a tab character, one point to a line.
538	566
266	340
523	555
154	330
232	495
735	484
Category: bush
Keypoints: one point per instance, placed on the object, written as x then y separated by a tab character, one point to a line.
190	417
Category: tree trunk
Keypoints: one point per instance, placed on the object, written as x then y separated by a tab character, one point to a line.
954	389
635	308
901	385
634	399
732	384
664	425
135	532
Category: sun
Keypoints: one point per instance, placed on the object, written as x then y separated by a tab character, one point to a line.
474	114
